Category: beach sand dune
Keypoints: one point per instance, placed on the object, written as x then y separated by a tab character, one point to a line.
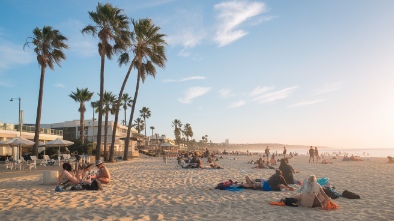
148	189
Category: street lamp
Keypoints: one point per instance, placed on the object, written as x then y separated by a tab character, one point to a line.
20	115
20	124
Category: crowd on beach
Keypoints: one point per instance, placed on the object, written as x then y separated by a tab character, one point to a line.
310	191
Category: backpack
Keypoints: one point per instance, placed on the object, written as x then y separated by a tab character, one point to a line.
350	195
291	202
331	192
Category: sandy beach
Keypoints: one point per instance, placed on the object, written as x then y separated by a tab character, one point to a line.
148	189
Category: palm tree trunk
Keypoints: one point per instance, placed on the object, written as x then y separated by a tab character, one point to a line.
126	148
105	136
100	115
82	123
111	154
39	108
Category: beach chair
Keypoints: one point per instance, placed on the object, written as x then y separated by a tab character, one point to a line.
9	165
20	164
45	160
32	163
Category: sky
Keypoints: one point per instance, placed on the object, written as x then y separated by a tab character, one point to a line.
301	72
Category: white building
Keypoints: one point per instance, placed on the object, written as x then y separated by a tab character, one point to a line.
71	132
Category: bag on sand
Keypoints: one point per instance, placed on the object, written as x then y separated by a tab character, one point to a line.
350	195
331	206
291	202
331	192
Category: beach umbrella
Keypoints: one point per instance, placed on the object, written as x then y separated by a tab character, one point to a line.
59	143
19	141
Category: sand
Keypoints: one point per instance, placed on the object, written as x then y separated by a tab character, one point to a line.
148	189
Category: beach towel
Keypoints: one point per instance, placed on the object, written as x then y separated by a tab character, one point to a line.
322	181
234	188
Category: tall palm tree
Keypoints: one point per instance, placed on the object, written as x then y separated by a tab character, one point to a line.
49	45
82	95
108	101
94	105
146	114
126	102
112	28
177	130
148	47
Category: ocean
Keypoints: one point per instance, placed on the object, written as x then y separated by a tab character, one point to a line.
367	152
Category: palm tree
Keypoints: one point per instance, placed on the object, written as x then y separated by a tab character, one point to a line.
82	96
109	100
177	131
148	48
49	45
139	124
152	128
94	105
126	102
112	27
145	113
188	132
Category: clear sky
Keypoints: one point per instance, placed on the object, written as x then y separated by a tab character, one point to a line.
302	72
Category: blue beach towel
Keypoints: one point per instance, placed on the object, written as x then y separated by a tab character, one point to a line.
322	181
234	189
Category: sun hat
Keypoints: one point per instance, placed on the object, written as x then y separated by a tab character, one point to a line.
98	162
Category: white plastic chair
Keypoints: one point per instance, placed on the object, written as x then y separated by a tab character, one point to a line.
33	162
9	165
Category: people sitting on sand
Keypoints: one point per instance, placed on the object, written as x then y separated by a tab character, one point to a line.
213	164
288	171
312	194
391	160
67	179
273	160
67	175
103	174
275	183
324	161
355	158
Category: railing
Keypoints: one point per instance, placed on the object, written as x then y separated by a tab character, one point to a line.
31	129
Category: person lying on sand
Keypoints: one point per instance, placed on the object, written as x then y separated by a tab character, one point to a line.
324	161
275	183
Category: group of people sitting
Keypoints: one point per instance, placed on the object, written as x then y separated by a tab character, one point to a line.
351	158
81	180
311	192
194	161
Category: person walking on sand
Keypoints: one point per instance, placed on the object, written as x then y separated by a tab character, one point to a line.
311	154
267	152
317	155
284	152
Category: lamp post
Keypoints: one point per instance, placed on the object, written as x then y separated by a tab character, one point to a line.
19	121
20	115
